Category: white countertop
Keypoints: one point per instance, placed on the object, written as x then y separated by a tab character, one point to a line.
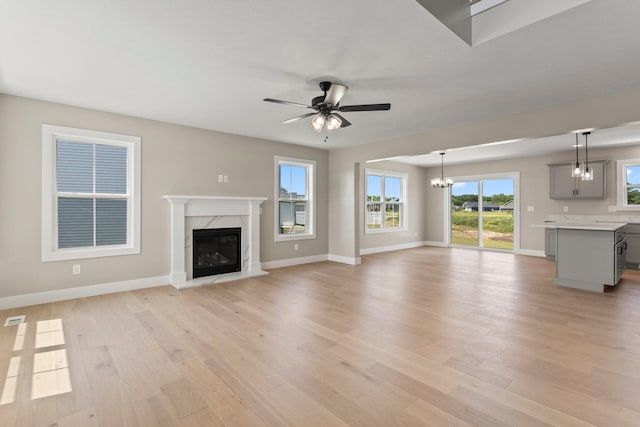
583	225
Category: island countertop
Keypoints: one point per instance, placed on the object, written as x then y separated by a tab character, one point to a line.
583	225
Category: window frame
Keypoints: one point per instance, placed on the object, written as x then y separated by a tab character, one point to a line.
404	203
622	187
310	211
49	209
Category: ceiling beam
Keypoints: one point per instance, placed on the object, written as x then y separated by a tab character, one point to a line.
454	14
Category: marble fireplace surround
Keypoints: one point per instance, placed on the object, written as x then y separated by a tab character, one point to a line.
192	212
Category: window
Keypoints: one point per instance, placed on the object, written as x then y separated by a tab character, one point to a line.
628	184
90	194
294	196
385	201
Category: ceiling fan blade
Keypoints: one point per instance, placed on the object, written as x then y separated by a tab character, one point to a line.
366	107
295	104
293	119
335	94
345	122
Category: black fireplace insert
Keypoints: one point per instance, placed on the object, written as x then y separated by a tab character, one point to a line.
216	251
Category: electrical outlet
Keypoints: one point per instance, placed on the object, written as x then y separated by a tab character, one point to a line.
75	269
295	247
220	178
226	179
530	208
566	209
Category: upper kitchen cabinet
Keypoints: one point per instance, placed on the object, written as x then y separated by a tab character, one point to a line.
564	186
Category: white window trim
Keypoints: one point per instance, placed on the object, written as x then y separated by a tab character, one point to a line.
311	205
621	185
403	201
49	223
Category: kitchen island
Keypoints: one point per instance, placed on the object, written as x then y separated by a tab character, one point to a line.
589	255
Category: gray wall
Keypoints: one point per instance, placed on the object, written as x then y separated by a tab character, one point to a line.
534	191
175	160
416	198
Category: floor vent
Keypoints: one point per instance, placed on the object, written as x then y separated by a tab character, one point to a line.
15	320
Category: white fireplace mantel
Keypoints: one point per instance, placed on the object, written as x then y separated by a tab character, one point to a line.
209	206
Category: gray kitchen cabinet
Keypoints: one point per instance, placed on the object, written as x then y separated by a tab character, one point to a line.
563	186
550	235
632	234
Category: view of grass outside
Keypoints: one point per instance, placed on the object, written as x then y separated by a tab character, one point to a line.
497	215
391	216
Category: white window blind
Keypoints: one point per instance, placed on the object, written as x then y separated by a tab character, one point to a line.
91	193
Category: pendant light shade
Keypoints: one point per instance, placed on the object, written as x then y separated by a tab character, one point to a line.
441	182
587	171
576	170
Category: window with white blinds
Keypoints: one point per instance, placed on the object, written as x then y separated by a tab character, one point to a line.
90	193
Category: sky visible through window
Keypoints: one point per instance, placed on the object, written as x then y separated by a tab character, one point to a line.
633	175
489	187
293	179
374	187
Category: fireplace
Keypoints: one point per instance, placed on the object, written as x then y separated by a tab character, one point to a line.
216	251
190	213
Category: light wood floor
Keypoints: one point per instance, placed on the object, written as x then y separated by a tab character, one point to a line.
427	336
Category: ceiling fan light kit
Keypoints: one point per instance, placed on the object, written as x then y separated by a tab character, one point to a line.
327	107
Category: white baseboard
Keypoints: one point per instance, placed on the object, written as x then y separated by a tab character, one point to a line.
81	292
439	244
294	261
345	260
531	252
389	248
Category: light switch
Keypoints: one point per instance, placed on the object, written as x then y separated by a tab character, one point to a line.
226	179
529	208
612	208
220	178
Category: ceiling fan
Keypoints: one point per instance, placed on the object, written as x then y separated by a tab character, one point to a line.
327	106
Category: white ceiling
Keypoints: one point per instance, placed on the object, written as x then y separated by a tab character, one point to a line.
209	63
628	134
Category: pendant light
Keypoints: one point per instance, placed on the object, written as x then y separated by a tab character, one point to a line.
441	182
576	171
587	173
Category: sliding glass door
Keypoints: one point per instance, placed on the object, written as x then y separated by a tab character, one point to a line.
482	212
464	214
